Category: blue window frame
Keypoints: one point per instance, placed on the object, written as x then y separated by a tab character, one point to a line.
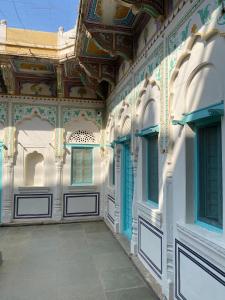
82	166
206	122
209	174
113	169
112	165
152	168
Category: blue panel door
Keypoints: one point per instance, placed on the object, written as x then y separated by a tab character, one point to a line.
127	191
0	181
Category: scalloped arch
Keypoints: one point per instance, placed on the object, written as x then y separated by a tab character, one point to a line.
185	55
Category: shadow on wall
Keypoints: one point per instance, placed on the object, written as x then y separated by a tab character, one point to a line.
34	169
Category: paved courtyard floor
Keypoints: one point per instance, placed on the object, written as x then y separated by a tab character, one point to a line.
67	262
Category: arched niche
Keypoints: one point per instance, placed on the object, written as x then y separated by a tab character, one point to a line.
123	122
148	105
111	133
150	114
198	78
34	169
203	88
126	126
34	134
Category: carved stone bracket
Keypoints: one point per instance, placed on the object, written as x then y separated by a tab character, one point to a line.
99	71
8	77
90	82
115	43
60	81
155	8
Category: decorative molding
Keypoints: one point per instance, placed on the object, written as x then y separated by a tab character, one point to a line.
81	137
74	114
17	197
213	271
142	222
190	236
152	214
43	100
111	218
95	212
22	111
3	113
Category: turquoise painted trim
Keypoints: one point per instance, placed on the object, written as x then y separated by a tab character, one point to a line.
152	203
209	227
92	171
1	162
126	200
123	139
149	201
196	176
216	110
148	131
198	125
83	145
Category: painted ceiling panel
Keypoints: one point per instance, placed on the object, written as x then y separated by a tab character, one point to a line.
123	16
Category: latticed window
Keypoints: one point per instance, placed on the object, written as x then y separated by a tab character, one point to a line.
82	165
152	168
209	167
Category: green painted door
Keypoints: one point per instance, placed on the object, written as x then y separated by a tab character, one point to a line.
127	191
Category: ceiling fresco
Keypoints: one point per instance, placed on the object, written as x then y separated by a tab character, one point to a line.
40	67
123	15
91	49
107	30
105	36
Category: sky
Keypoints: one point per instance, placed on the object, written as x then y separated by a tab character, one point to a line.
44	15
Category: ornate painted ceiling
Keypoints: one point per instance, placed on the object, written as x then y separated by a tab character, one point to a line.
106	34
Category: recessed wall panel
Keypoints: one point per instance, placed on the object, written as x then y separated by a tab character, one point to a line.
150	245
32	206
81	204
196	277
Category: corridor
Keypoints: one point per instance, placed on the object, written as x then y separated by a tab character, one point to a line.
81	261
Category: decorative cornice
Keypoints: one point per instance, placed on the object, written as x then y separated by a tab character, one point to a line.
197	238
91	115
25	111
50	100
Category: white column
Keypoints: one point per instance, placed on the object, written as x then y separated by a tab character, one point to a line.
7	191
8	168
59	160
134	239
57	206
118	188
168	237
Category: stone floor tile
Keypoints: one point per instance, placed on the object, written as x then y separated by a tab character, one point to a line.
142	293
111	261
121	279
81	261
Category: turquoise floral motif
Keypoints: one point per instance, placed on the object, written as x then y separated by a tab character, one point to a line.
70	114
184	33
3	113
158	75
221	18
45	112
205	14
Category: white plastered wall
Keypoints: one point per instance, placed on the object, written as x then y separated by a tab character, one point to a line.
34	135
197	82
